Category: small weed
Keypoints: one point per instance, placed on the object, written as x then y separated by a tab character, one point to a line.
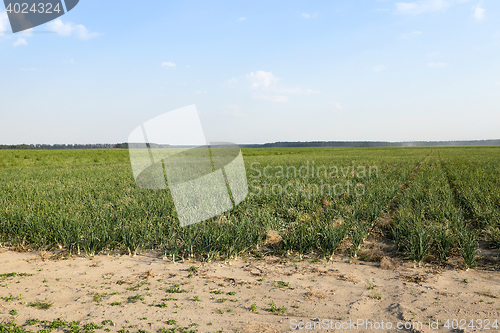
57	323
173	290
161	305
41	305
280	284
91	327
369	284
375	295
275	309
31	322
134	299
98	297
137	286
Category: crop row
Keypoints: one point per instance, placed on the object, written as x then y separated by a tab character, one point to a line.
430	222
474	175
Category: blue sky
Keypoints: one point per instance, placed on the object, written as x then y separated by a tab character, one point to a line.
258	71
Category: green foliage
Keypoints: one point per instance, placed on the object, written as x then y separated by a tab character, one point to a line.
280	284
42	305
87	201
276	310
134	299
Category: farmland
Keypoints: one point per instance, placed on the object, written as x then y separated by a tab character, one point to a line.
440	203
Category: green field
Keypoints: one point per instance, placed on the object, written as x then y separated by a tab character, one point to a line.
443	202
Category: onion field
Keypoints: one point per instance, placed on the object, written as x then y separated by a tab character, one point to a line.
441	203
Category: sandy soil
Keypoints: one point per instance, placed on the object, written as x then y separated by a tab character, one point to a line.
219	295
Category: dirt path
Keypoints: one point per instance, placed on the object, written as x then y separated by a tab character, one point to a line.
149	294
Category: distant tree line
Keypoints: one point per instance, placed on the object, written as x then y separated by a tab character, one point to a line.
63	146
374	144
311	144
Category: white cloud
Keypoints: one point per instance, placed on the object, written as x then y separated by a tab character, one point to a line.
234	110
19	42
422	6
168	64
272	98
410	35
4	21
241	19
437	64
265	85
497	83
378	68
69	29
425	6
337	105
268	82
232	81
262	79
478	12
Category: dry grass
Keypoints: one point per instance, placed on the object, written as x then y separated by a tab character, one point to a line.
486	293
338	222
272	238
326	203
223	220
388	263
348	278
310	295
417	278
371	255
147	274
